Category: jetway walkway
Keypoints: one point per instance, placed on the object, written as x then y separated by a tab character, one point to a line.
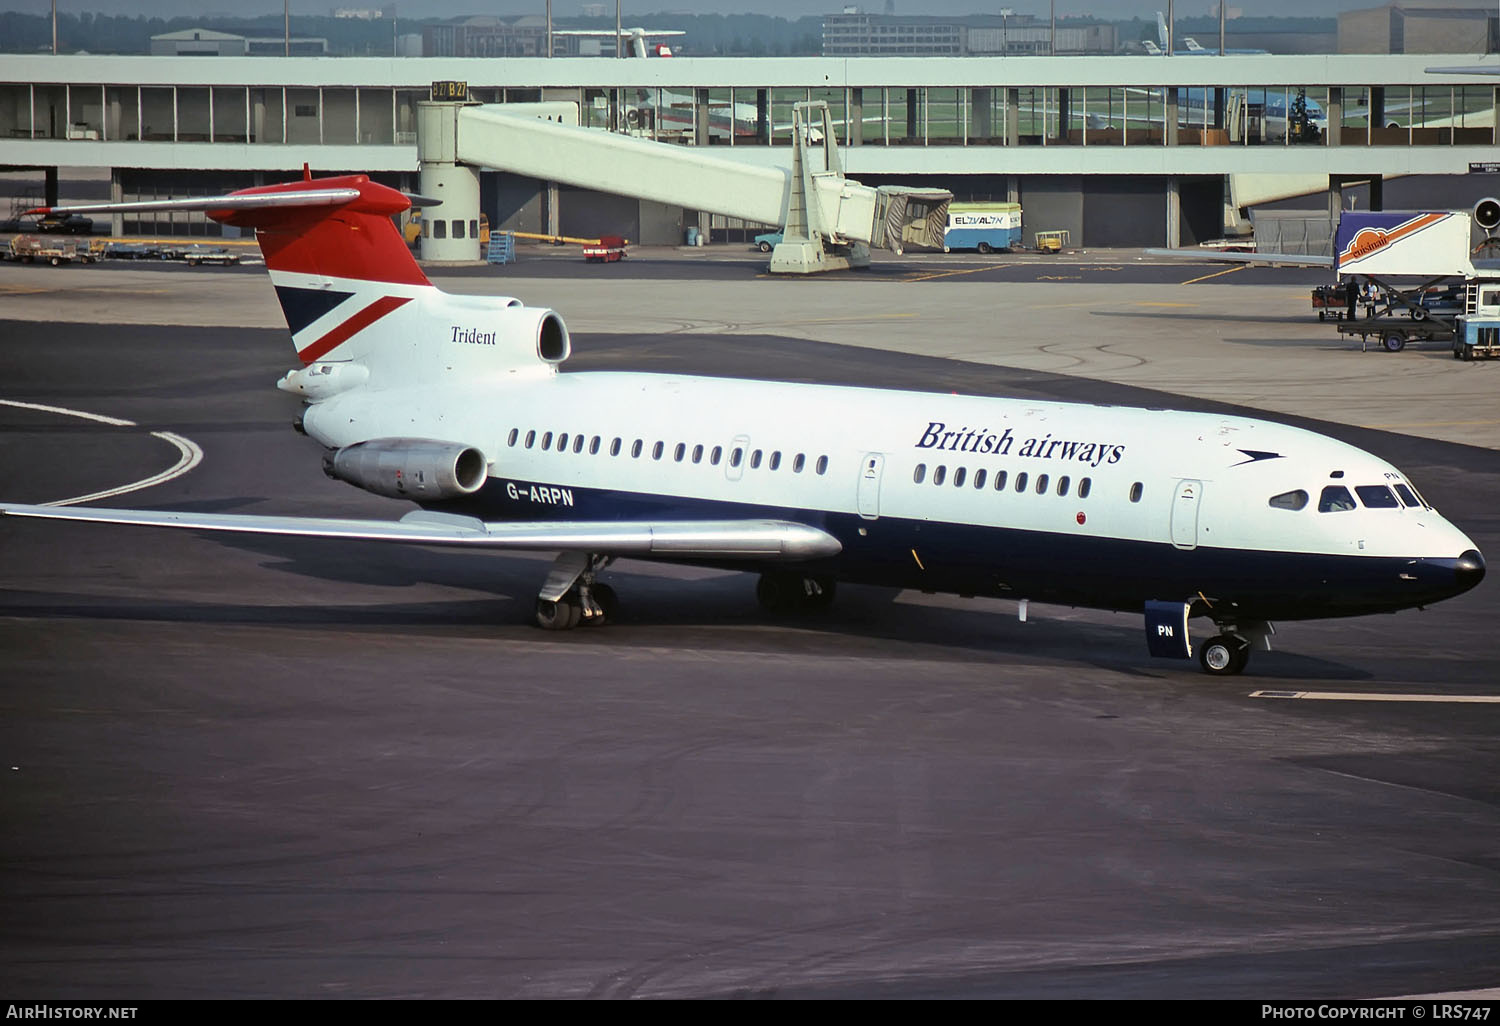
830	221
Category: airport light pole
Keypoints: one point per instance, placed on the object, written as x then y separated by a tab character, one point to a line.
1005	13
617	30
286	26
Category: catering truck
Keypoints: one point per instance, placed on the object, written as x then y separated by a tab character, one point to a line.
982	226
1421	266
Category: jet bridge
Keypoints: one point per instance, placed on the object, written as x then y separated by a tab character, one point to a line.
830	221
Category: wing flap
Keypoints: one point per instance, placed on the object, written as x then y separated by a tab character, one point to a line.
718	539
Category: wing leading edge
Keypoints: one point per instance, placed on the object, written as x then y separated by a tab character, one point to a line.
717	539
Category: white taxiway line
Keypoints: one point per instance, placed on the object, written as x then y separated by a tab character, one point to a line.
1375	696
189	454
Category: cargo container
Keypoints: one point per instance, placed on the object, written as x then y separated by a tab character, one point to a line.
983	226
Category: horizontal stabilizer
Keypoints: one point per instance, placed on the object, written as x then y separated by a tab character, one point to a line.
1222	257
718	539
236	201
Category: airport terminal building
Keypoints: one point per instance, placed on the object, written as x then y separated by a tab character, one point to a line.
1119	150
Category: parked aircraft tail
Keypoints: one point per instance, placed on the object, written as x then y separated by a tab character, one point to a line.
358	306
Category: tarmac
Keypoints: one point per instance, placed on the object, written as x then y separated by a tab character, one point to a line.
271	768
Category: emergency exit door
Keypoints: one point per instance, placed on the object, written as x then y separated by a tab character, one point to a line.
1185	506
869	485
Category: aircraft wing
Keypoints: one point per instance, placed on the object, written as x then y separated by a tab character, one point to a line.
1220	256
717	539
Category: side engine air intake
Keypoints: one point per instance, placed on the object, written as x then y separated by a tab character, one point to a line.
409	468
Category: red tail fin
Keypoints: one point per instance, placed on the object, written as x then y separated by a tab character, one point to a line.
356	239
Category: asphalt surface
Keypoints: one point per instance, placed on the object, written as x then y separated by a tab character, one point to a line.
240	767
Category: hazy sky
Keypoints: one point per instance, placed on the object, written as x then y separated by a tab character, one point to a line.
785	8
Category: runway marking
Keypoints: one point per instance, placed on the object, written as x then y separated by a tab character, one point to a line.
1375	696
950	274
101	418
189	454
1216	274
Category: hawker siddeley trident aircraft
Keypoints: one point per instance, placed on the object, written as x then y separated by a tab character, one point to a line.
456	403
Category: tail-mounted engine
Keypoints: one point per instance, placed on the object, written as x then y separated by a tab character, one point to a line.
409	468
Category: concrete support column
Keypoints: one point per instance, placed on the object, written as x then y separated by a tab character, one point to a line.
856	134
1012	119
449	231
554	209
1170	122
49	186
700	117
1335	116
982	125
1174	213
763	116
1012	189
1377	192
913	125
116	195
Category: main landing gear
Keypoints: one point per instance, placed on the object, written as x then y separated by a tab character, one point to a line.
571	596
787	594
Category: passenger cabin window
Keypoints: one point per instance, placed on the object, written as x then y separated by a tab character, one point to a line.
1136	491
716	455
657	450
562	442
578	444
1084	487
755	460
530	439
514	433
635	449
798	462
775	460
1041	484
594	446
697	454
547	440
920	474
979	478
1335	499
679	452
1021	481
1000	477
1376	497
614	447
736	456
1062	485
958	477
822	467
1290	500
939	474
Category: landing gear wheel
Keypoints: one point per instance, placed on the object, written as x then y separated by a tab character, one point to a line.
1393	341
777	593
784	594
561	615
1224	655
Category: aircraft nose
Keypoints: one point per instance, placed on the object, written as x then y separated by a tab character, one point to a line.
1469	569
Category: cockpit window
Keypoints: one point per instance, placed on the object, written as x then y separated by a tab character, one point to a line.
1290	500
1376	497
1407	496
1335	499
